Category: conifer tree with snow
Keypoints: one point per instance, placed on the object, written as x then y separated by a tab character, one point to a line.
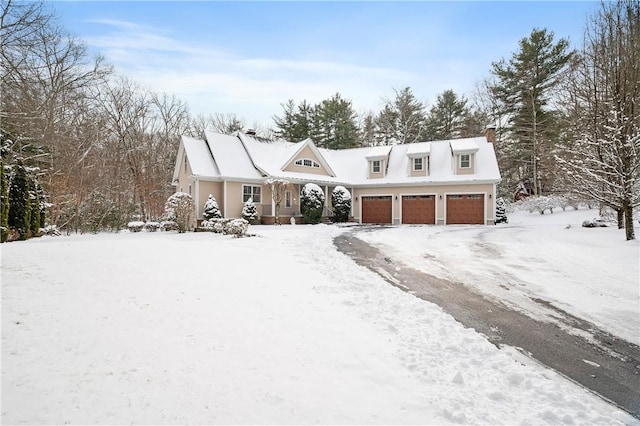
249	211
341	203
311	203
501	211
19	201
211	209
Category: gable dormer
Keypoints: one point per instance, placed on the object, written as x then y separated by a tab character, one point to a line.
418	155
463	156
378	158
308	159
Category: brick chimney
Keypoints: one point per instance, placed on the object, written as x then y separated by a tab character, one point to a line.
490	133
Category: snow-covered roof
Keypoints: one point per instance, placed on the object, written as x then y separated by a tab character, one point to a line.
467	145
240	156
417	149
199	157
378	152
231	156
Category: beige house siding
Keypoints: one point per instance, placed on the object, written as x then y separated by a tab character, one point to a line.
467	170
425	167
309	154
439	191
184	176
204	189
383	166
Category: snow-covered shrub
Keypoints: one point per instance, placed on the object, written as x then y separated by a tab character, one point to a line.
341	203
237	227
211	209
249	211
135	226
179	208
594	223
311	203
214	225
501	211
168	225
152	226
52	230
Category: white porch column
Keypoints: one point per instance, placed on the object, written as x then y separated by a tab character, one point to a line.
197	198
326	200
224	198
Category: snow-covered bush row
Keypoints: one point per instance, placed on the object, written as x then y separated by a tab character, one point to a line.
135	226
236	227
152	226
168	225
544	203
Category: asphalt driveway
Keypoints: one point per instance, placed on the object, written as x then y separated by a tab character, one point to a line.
603	363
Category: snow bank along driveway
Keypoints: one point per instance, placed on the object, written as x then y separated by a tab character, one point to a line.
591	273
280	328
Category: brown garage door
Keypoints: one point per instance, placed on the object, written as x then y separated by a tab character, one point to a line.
465	209
419	209
376	209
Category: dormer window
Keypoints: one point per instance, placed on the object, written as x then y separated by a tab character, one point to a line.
375	166
418	164
465	161
306	162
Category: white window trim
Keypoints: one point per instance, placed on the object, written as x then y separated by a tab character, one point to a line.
252	193
373	166
467	166
421	169
185	163
300	162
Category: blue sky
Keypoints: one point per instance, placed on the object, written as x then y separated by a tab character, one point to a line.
249	57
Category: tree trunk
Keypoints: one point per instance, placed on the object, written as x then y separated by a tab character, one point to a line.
277	221
620	213
628	220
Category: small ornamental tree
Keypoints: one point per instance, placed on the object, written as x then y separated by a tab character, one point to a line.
211	209
311	203
179	208
19	201
278	187
249	211
501	211
341	203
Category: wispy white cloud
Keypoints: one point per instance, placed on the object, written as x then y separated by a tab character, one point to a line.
211	79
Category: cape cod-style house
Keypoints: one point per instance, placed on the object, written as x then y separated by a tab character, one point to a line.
437	182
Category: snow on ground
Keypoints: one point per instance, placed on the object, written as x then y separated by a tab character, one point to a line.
166	328
591	273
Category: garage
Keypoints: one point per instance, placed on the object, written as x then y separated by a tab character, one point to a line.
419	209
376	209
463	209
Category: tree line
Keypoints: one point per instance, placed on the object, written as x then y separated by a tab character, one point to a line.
98	149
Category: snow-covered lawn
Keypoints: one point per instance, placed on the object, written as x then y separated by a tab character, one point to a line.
591	273
163	328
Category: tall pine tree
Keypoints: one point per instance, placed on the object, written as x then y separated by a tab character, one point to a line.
524	87
447	117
